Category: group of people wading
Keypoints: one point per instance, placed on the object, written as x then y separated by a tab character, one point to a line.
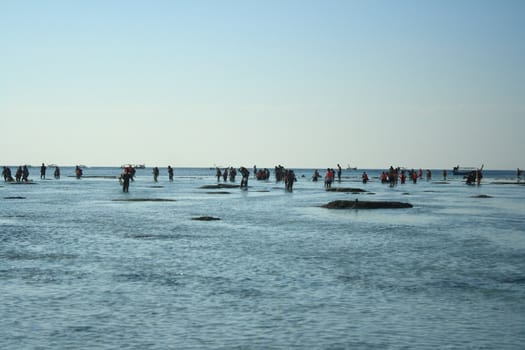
128	175
281	175
392	176
22	174
397	175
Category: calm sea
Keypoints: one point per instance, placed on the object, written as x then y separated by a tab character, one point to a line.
82	267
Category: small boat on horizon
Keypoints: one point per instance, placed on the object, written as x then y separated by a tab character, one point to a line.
457	170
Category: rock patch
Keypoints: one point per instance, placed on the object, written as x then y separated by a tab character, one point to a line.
345	189
205	218
219	186
143	200
345	204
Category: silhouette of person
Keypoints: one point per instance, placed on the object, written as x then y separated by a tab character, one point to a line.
170	173
78	172
43	171
125	177
25	174
245	174
155	173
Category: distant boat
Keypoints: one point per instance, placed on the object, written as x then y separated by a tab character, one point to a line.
136	166
348	167
457	170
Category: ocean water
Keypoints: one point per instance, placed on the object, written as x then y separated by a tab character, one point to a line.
82	267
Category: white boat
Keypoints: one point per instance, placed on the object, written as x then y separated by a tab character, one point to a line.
458	170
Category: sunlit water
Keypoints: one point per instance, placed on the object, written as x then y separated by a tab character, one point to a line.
79	269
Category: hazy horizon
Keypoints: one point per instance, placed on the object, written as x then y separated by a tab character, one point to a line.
50	166
428	84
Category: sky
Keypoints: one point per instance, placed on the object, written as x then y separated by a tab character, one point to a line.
423	84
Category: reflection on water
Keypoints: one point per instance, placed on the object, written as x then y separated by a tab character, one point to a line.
80	268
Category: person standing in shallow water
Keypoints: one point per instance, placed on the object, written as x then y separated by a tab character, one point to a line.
78	172
316	176
289	179
18	174
245	175
25	174
125	177
7	175
339	170
364	177
328	177
57	173
155	173
43	171
170	173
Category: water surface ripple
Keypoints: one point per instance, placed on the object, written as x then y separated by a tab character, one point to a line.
81	270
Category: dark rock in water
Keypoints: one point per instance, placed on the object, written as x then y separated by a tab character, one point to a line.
344	204
219	186
481	196
218	192
14	197
205	218
109	177
155	186
508	183
440	182
143	200
30	182
345	189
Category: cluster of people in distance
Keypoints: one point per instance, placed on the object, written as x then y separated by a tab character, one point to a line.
262	174
285	175
474	177
43	169
281	174
397	175
392	176
228	173
22	173
128	175
329	176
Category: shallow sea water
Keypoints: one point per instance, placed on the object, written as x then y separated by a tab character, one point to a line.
80	269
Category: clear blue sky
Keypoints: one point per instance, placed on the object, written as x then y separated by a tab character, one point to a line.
303	83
